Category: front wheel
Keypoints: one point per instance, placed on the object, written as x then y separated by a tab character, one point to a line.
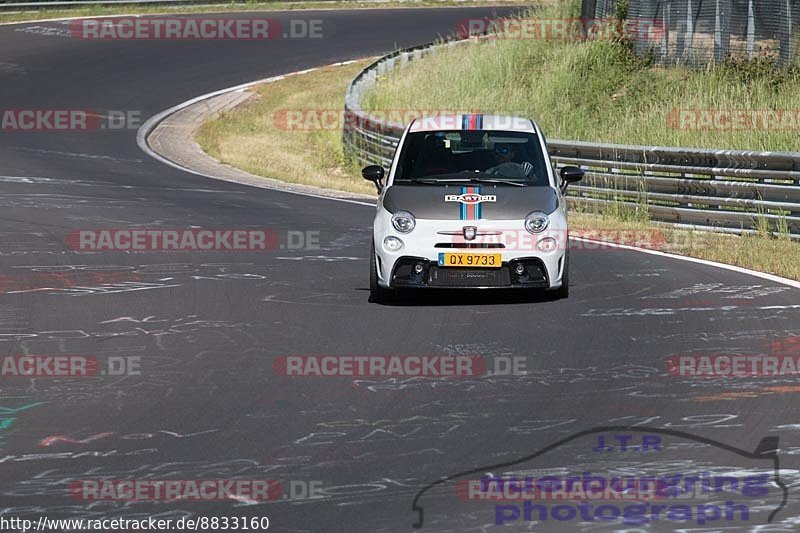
377	294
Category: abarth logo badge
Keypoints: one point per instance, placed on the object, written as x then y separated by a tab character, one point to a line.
470	232
470	198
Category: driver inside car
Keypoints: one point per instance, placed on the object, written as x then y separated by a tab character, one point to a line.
505	164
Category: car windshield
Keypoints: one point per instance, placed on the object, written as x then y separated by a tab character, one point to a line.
434	157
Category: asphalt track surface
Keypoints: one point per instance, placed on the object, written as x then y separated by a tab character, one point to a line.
208	325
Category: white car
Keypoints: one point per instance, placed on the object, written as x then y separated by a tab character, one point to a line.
471	201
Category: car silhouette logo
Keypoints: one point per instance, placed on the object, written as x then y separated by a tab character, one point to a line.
656	463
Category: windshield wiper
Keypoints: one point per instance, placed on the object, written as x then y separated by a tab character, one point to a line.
465	179
493	180
425	181
468	176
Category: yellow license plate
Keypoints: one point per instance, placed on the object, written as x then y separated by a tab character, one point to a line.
470	260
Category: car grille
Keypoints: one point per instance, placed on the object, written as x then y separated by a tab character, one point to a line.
432	275
469	277
469	245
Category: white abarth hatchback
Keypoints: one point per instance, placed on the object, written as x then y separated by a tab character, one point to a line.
471	201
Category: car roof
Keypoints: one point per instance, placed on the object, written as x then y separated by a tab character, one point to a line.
473	122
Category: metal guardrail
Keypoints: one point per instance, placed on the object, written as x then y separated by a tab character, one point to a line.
725	190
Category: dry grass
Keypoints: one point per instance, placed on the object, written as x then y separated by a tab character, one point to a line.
253	137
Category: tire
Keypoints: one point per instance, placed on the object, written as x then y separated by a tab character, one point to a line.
377	294
563	291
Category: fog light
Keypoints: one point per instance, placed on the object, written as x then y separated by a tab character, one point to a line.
548	244
520	269
392	244
418	268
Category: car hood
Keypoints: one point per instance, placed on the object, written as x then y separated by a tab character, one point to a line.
457	202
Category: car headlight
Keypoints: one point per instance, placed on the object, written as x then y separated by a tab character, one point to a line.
537	222
403	221
392	244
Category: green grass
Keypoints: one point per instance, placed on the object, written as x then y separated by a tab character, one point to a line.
595	91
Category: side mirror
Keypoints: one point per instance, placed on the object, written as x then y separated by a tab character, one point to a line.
374	173
570	174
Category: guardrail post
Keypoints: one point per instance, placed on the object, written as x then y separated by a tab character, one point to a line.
644	14
751	30
722	34
785	57
588	9
665	36
689	28
685	34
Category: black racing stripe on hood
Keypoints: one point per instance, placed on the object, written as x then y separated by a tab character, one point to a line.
510	202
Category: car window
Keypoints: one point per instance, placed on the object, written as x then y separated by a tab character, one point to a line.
440	155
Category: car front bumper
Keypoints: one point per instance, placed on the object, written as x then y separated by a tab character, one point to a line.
524	263
416	272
